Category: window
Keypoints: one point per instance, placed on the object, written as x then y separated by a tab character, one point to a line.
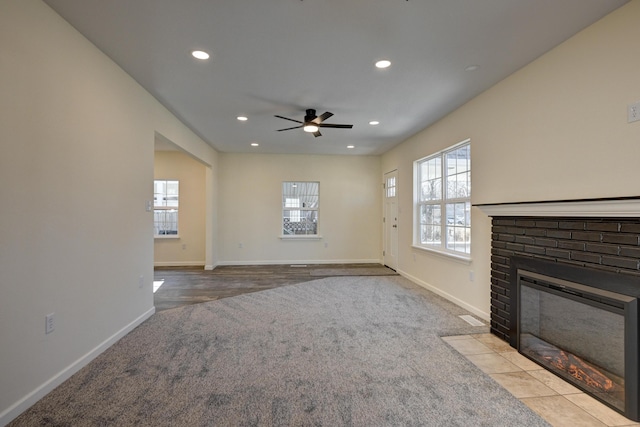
165	208
391	186
443	200
300	208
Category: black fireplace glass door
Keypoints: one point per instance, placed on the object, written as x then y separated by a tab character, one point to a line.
578	339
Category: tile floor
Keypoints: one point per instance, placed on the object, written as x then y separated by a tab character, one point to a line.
555	400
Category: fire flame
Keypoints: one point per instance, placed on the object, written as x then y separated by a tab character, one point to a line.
581	371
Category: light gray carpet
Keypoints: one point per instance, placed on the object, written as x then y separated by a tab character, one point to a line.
359	271
351	351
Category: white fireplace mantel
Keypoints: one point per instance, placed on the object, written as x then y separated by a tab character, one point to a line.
619	208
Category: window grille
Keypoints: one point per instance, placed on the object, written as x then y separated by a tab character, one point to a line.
300	204
165	207
391	187
443	200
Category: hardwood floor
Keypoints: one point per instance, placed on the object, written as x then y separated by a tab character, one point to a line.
192	285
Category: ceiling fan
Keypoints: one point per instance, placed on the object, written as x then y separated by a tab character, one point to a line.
313	123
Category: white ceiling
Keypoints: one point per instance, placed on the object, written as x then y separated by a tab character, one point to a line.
284	56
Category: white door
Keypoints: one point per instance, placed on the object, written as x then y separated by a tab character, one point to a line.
390	253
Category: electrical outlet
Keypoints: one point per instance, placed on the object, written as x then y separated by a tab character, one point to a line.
240	245
49	323
633	112
141	281
471	275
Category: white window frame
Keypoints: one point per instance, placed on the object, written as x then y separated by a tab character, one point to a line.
161	203
297	207
457	206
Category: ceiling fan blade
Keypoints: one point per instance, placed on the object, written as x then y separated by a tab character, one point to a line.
287	118
331	125
295	127
321	118
317	134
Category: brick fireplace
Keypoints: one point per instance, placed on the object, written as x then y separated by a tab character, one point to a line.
610	244
600	237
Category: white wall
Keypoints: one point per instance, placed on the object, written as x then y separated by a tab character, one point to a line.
556	129
251	208
189	248
76	166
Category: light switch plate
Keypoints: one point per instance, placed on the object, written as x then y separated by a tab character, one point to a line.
633	112
49	323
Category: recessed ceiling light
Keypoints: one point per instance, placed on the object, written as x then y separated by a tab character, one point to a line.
374	122
383	63
200	54
242	118
351	146
472	68
255	144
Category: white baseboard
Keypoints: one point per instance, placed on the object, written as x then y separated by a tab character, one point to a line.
481	314
278	262
26	402
178	264
298	261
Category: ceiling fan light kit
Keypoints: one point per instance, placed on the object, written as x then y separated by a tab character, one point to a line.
313	123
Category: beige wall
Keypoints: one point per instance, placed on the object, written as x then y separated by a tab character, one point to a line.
251	208
77	138
556	129
189	248
76	166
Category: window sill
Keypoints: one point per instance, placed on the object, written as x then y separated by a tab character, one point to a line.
449	255
167	236
300	237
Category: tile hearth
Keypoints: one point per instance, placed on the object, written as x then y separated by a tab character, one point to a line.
555	400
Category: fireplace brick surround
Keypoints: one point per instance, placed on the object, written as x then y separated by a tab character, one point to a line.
604	243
